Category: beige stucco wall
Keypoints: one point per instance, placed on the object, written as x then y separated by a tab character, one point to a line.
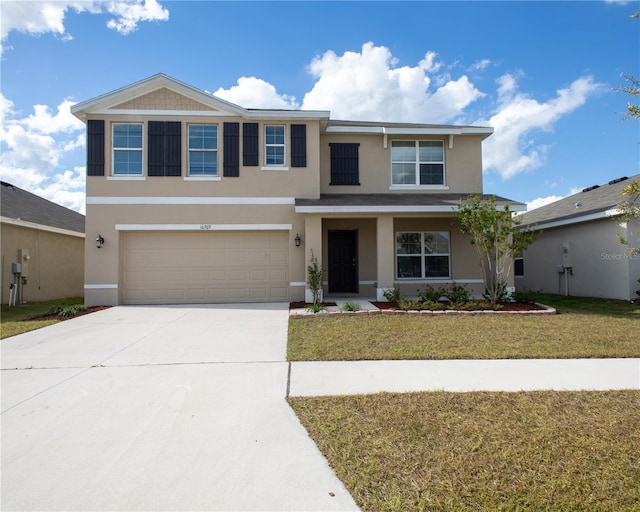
463	164
302	182
600	265
55	268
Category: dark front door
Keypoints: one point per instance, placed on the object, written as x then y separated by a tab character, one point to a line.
343	268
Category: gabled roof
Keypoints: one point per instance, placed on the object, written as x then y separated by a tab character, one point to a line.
593	202
20	205
109	102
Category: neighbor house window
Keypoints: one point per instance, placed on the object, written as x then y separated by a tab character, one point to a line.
203	150
518	267
274	149
417	162
422	255
127	149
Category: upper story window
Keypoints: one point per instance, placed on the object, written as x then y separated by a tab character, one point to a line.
417	162
422	255
203	150
274	146
127	149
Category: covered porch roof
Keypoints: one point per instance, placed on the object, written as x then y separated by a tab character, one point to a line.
393	203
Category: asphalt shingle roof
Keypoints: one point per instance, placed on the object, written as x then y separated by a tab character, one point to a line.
16	203
391	200
591	200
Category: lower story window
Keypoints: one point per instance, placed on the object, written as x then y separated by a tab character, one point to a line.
421	255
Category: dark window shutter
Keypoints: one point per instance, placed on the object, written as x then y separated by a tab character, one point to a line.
231	159
250	144
173	148
344	164
155	149
95	147
298	145
164	154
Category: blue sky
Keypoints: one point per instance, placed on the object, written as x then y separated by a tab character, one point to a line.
541	73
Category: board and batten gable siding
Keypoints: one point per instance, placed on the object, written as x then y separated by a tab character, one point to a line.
95	147
164	154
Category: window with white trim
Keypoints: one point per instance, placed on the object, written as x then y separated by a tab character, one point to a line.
127	149
416	162
203	150
423	255
274	145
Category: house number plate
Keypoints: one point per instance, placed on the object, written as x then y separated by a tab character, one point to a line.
205	226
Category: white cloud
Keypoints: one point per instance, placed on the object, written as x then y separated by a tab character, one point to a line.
41	17
542	201
34	149
368	85
511	151
480	65
252	92
129	14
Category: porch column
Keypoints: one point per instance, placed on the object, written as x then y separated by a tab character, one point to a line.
312	244
386	255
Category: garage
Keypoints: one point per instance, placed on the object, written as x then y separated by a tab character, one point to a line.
205	267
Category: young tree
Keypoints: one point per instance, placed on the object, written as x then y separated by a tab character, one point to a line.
630	209
497	237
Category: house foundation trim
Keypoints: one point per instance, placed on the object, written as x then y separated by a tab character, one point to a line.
100	286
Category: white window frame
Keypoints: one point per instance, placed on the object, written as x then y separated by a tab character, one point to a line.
215	176
423	254
280	166
114	149
416	184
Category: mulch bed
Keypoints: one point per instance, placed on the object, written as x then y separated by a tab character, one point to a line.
302	304
508	306
55	316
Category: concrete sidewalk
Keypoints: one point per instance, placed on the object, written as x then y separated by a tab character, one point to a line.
359	377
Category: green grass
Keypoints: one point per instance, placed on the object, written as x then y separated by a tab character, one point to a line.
482	451
16	319
583	328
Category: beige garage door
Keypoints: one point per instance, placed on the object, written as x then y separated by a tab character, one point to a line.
205	267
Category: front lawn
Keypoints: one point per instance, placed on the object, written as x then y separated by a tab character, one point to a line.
584	328
544	450
24	317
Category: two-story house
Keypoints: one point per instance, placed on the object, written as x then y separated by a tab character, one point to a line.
192	199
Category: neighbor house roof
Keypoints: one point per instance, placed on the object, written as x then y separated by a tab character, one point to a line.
597	201
392	203
19	205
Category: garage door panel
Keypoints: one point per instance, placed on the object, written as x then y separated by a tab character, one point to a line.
175	267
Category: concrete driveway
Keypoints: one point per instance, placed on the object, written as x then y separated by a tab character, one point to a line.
158	408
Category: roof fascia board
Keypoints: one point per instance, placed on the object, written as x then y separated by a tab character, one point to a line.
613	212
409	130
40	227
388	209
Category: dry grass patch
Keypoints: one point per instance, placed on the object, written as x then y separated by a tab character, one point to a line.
482	451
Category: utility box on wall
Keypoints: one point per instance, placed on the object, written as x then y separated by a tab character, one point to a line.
23	258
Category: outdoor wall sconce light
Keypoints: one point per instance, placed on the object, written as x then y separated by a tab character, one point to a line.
99	241
297	240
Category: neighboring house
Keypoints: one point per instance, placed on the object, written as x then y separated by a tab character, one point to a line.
199	200
578	252
42	247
